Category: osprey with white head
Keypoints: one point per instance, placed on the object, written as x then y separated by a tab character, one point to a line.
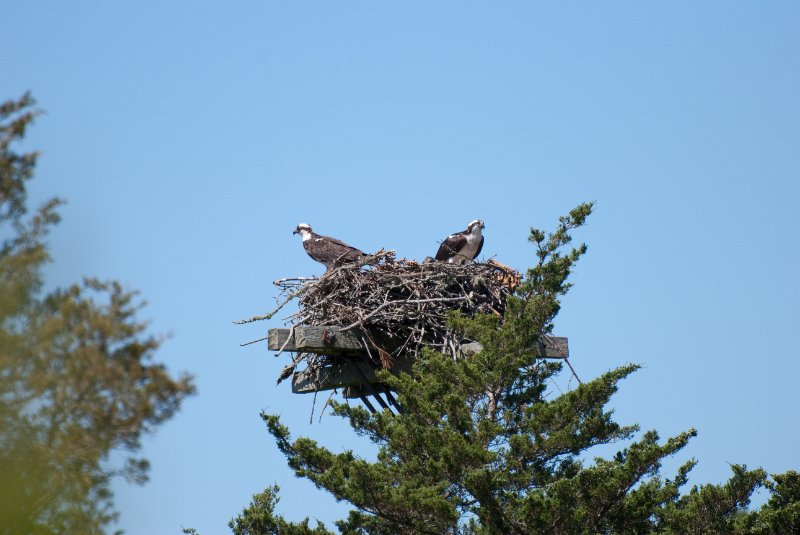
326	250
462	247
304	230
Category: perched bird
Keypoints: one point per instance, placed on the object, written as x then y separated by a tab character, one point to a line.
462	247
327	250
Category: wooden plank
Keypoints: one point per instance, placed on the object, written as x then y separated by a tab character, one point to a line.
325	340
365	401
276	339
553	347
339	375
329	340
330	377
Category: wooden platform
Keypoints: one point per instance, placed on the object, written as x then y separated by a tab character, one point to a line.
350	367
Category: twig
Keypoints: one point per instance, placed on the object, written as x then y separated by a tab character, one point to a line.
300	291
313	403
573	370
253	341
302	280
327	401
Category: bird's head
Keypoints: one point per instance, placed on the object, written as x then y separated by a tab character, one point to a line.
302	229
475	223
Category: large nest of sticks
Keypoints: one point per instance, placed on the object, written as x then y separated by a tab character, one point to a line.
400	306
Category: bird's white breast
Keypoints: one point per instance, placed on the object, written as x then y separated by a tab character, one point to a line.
474	236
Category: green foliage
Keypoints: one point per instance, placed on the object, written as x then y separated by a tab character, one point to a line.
259	518
782	512
483	447
77	377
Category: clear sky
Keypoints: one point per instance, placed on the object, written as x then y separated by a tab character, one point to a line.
191	137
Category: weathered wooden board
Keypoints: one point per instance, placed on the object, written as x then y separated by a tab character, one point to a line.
277	339
324	340
331	341
553	347
550	347
345	373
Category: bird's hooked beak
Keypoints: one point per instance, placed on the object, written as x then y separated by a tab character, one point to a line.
296	231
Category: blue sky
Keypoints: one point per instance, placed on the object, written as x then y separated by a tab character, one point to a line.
189	139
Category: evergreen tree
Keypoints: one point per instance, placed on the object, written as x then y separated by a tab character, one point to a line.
77	377
482	447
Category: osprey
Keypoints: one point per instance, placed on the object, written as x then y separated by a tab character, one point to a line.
462	247
326	250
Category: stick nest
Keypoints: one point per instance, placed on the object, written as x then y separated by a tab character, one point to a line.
400	306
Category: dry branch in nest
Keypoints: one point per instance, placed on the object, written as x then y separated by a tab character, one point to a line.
397	307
